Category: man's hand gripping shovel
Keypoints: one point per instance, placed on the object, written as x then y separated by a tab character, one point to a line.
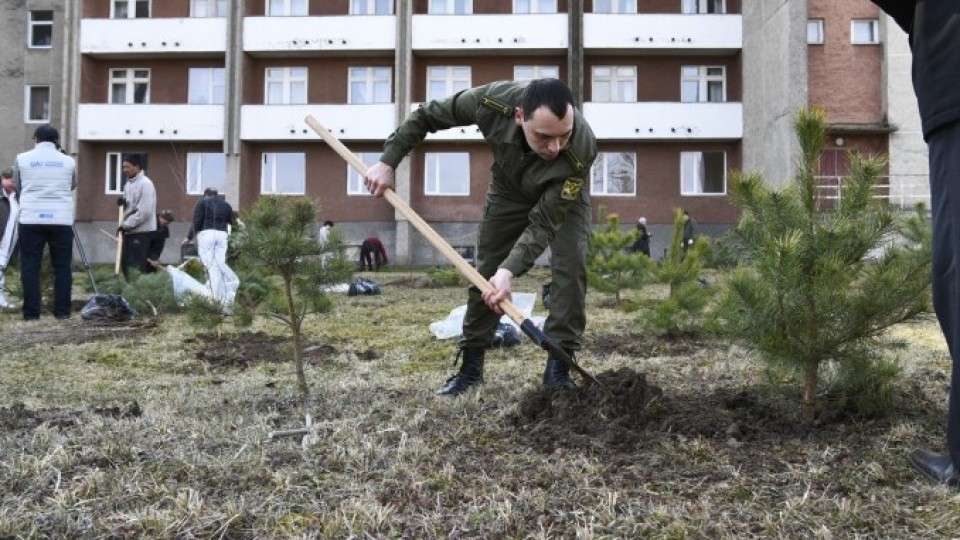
451	254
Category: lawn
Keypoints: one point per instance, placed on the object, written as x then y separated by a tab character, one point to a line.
160	430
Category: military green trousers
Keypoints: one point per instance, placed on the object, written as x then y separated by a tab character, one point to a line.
503	222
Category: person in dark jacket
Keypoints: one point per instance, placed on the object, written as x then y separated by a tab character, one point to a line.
9	216
158	240
643	238
211	218
934	30
372	254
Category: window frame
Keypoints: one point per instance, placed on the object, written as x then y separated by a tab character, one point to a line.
615	7
703	80
211	86
197	158
287	81
28	103
131	13
355	187
535	8
287	11
450	7
370	84
213	6
450	80
273	173
371	8
130	80
614	80
32	25
602	163
820	27
703	7
874	31
537	72
439	175
726	185
118	178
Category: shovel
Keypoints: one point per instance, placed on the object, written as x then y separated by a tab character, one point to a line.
534	333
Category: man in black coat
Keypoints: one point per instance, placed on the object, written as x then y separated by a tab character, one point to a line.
934	29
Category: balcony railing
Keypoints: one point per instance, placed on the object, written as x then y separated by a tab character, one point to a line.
373	122
314	34
902	190
656	32
153	36
660	120
161	122
490	32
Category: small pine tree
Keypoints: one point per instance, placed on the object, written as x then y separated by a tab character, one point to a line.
151	294
823	285
275	240
681	312
611	267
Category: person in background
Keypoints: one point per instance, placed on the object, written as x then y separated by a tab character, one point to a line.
211	219
45	179
323	235
372	254
158	240
689	232
9	215
934	30
139	216
643	238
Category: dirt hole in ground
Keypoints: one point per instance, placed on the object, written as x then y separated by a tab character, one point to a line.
252	348
18	416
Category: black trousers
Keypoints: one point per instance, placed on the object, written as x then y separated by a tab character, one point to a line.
945	206
134	254
33	238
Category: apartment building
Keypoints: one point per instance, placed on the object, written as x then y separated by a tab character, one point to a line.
215	94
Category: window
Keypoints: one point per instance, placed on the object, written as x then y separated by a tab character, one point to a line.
534	6
287	8
450	7
815	32
703	84
703	6
614	6
447	173
354	180
529	73
371	7
38	104
443	81
703	173
615	84
369	85
865	32
130	9
286	86
208	8
40	33
129	86
207	86
284	174
614	174
206	170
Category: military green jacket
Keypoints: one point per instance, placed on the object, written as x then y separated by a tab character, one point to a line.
551	188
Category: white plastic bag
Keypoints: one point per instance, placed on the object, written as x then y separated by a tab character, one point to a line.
452	326
184	284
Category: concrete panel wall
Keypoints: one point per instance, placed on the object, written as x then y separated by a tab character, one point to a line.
775	84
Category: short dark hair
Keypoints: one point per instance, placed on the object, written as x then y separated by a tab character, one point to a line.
7	173
46	133
167	215
210	192
134	159
328	223
553	93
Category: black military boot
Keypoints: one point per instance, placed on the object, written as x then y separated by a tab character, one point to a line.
470	374
557	373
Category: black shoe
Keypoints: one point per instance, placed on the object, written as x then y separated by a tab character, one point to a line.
557	373
470	374
938	468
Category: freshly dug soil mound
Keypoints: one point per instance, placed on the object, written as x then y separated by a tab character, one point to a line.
624	396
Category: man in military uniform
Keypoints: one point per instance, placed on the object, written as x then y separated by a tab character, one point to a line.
543	150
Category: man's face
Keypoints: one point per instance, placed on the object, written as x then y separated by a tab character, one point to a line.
8	184
130	170
546	134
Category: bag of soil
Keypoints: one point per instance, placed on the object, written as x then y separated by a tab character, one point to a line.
363	286
108	308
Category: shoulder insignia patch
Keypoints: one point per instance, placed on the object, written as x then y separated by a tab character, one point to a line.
496	105
571	189
574	159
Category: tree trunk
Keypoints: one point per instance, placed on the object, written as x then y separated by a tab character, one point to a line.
297	349
810	390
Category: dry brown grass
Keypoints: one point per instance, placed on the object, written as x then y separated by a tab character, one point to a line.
721	455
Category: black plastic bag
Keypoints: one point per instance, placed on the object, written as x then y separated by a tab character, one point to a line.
363	286
108	308
506	335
